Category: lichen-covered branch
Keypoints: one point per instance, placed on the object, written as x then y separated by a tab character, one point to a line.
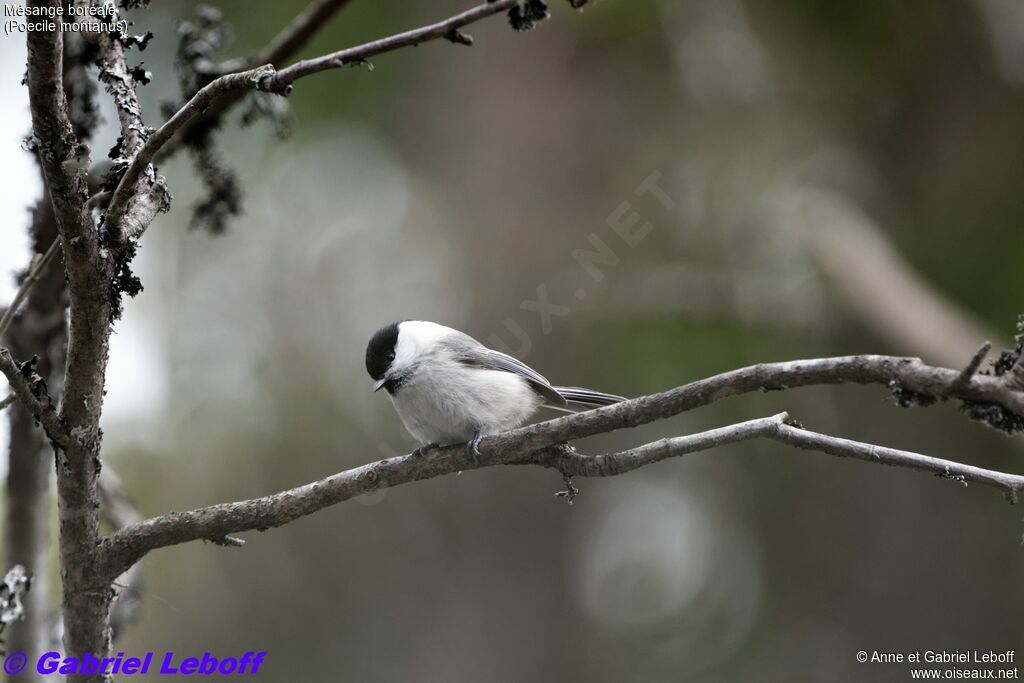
126	188
64	159
31	391
539	444
147	194
15	584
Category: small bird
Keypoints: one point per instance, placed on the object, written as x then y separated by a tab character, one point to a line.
449	388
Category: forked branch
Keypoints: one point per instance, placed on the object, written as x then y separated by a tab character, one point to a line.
543	444
263	77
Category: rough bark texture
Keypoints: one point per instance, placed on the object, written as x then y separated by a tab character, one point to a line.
64	161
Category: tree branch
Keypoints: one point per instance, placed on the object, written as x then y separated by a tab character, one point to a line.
537	444
64	160
147	193
119	511
282	47
265	78
281	82
61	156
120	85
200	101
574	464
1010	484
289	40
36	270
31	391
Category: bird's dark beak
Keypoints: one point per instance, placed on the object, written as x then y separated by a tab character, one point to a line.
379	384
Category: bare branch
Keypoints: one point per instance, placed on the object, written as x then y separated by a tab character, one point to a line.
1010	484
281	82
263	77
534	444
290	40
574	464
777	428
37	268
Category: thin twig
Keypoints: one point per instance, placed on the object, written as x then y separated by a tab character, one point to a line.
284	46
574	464
1010	484
289	40
354	55
972	368
263	77
36	270
200	101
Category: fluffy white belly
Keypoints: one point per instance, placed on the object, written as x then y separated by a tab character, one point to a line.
447	403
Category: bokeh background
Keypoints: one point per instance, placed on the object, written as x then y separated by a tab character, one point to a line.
841	178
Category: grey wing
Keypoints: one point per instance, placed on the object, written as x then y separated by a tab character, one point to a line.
478	355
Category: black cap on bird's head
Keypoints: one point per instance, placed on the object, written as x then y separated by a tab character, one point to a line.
380	353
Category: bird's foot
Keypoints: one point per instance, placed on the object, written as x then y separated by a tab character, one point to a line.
419	452
473	445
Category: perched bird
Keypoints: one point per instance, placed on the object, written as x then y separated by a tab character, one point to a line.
449	388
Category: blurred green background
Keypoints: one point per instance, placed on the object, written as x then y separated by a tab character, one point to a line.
844	178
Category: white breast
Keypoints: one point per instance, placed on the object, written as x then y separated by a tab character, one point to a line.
446	402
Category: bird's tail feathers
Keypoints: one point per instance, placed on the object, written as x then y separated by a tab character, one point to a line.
584	399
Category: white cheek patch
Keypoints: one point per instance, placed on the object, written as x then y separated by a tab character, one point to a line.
415	337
